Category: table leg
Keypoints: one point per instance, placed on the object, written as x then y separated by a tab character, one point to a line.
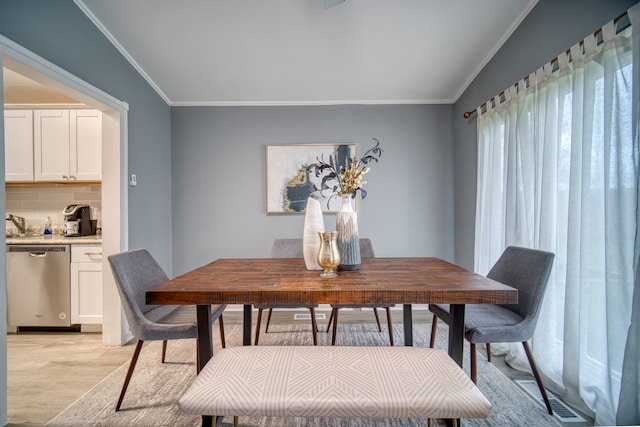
408	325
456	341
205	345
456	333
247	319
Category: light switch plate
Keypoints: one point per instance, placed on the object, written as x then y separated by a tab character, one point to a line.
133	180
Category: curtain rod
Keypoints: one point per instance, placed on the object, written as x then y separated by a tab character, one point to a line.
553	62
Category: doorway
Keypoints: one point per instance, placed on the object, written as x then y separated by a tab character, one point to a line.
114	189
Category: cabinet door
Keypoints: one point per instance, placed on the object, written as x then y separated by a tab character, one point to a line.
51	145
86	284
86	145
18	145
86	292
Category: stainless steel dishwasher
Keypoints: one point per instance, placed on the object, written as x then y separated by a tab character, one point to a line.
38	285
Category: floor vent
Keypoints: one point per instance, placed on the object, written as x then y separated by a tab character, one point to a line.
561	411
307	316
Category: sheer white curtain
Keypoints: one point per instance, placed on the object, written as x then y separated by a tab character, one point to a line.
629	404
558	170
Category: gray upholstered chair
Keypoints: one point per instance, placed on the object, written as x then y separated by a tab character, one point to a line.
528	271
134	273
366	251
286	248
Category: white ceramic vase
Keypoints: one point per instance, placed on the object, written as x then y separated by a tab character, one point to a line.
313	224
348	237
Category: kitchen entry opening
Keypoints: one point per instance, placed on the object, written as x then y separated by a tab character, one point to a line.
55	82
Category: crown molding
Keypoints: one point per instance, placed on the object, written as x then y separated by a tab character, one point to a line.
311	103
496	48
121	49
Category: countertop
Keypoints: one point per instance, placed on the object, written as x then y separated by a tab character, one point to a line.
55	239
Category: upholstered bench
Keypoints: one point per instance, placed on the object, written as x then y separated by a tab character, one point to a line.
323	381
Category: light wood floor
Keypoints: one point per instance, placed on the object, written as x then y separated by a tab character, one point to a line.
48	371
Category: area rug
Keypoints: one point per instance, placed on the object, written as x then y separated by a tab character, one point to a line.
155	388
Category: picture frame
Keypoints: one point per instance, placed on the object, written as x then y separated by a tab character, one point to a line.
290	182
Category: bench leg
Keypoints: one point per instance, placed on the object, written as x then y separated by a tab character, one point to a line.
209	421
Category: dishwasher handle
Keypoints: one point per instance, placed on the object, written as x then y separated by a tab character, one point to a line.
38	254
37	248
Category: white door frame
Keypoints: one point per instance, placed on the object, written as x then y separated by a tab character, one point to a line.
114	172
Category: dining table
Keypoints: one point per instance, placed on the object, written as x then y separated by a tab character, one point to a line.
404	281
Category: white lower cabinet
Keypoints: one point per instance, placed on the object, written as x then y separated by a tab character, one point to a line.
86	284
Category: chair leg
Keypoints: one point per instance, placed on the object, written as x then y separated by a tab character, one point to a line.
266	329
132	366
164	349
223	342
389	325
333	310
434	328
536	374
375	313
335	327
258	326
314	325
474	366
489	352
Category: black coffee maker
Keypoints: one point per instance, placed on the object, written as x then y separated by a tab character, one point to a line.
78	222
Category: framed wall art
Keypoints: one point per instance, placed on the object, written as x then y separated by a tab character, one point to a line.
297	171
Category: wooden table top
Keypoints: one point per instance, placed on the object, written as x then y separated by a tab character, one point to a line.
287	281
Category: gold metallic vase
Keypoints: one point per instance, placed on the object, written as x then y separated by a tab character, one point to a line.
328	255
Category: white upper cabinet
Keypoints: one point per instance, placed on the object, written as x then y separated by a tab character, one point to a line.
85	155
18	145
51	145
67	145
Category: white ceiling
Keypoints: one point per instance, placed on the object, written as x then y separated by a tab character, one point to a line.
296	52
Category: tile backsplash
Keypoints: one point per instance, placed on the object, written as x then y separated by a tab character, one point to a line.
36	202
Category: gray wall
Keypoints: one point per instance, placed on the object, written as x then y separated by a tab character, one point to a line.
218	162
59	32
550	28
